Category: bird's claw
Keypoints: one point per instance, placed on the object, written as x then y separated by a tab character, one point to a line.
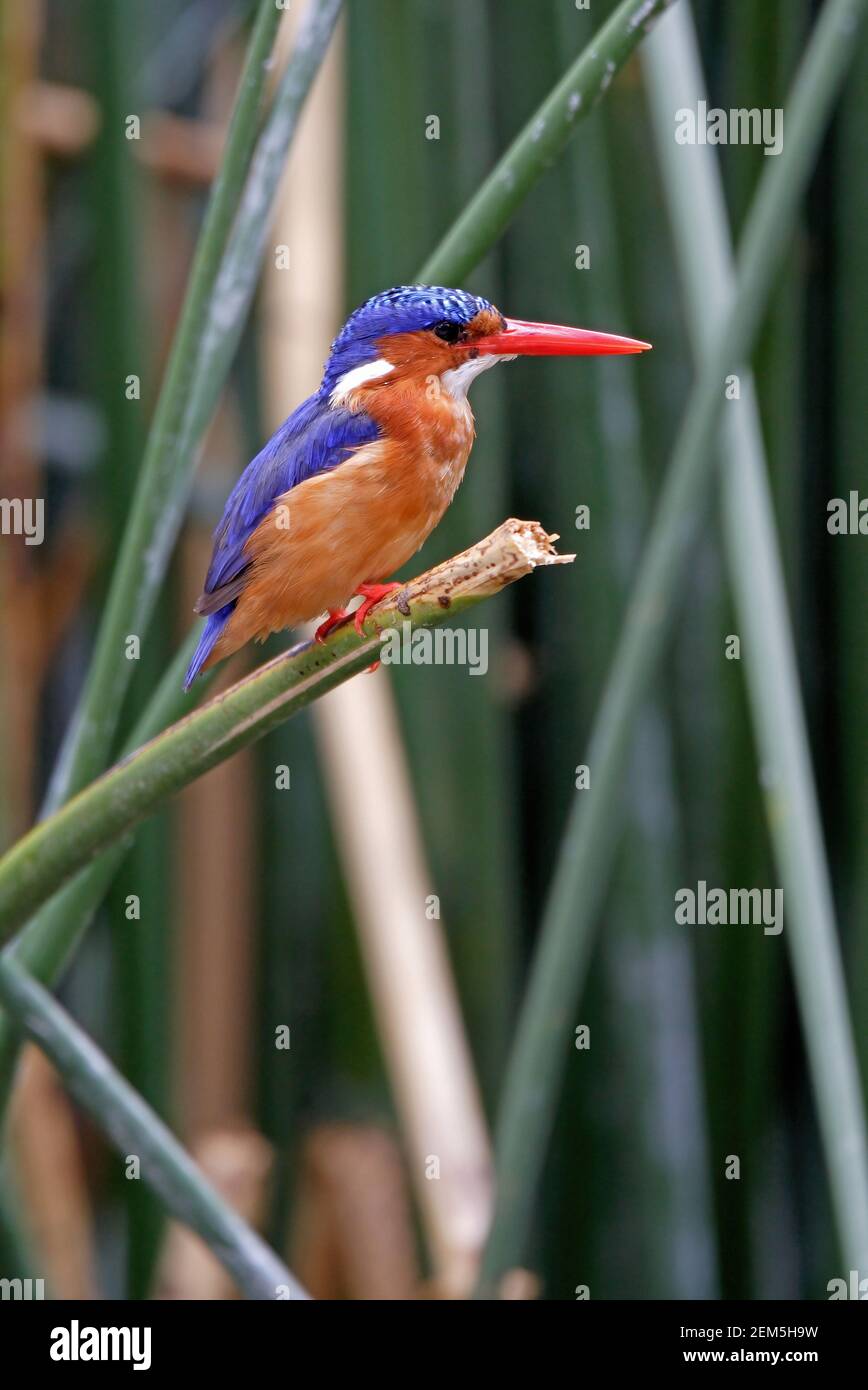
335	618
372	594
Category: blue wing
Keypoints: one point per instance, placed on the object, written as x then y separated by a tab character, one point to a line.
315	439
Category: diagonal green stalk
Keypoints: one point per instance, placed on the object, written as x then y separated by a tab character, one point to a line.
222	282
111	806
221	285
672	1195
92	729
698	215
543	1037
49	938
135	1130
539	143
57	847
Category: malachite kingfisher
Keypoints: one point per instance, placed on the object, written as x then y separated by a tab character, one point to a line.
353	483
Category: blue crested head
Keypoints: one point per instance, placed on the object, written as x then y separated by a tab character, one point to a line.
405	309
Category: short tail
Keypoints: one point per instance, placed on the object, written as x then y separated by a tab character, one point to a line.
214	625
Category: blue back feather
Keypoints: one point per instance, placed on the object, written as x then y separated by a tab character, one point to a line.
314	439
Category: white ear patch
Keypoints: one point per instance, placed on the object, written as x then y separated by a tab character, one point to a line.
456	380
357	376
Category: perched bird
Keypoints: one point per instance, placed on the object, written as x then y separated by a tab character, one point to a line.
351	485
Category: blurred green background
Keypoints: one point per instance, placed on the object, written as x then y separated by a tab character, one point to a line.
248	921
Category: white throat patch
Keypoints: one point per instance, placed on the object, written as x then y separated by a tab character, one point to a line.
357	376
456	380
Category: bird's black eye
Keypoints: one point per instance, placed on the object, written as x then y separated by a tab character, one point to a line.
449	332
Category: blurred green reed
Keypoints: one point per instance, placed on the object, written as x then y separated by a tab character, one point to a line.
137	1132
224	269
849	576
756	577
590	839
140	959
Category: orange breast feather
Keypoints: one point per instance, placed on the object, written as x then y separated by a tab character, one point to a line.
356	524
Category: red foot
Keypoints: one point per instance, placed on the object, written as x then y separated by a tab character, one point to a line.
335	618
372	595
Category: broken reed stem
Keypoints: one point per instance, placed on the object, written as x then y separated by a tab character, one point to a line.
56	848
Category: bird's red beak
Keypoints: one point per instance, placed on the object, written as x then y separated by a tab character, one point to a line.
554	340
